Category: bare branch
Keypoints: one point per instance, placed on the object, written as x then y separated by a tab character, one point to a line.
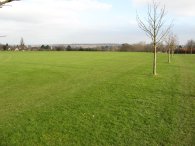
144	27
164	33
153	26
3	2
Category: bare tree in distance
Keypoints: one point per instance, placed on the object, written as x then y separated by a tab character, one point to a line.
171	42
190	45
168	46
154	27
174	44
22	45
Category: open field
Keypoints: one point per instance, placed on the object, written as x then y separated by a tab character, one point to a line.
96	99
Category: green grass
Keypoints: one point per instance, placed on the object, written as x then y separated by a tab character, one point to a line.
96	99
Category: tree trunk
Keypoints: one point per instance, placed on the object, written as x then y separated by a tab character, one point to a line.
172	52
154	61
169	55
191	50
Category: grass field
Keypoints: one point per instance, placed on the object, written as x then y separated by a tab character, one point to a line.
96	99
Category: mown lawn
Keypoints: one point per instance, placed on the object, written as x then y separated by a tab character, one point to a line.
96	99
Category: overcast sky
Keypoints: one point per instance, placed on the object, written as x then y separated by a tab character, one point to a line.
88	21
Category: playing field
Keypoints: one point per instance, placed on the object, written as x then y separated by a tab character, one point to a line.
96	99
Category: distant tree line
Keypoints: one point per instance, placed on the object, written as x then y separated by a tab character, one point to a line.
188	48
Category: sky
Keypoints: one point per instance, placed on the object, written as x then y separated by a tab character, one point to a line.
88	21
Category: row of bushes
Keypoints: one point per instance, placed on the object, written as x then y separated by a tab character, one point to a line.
140	47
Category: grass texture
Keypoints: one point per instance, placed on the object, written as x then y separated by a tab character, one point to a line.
96	99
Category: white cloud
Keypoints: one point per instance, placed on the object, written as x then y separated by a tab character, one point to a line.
177	7
85	21
44	19
33	10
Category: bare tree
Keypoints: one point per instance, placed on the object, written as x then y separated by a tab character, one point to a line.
168	46
190	45
22	45
174	43
154	27
171	42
